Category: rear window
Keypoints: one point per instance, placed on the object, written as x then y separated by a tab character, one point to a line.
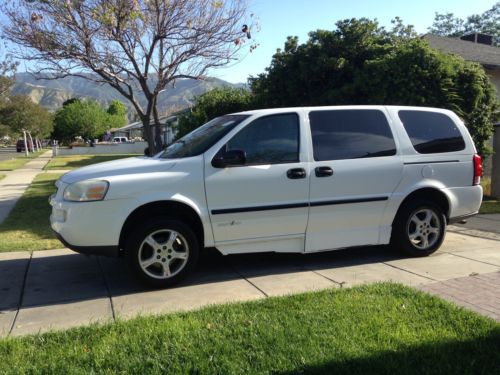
431	132
350	134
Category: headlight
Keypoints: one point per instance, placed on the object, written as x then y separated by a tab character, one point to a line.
86	191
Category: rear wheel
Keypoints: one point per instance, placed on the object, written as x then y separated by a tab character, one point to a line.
419	229
162	252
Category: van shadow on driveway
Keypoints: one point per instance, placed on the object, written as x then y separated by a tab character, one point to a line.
61	276
61	289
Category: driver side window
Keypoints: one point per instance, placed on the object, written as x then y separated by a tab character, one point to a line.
269	140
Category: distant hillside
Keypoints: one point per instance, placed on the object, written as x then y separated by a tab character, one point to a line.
52	93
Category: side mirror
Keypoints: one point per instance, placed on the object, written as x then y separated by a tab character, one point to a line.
231	158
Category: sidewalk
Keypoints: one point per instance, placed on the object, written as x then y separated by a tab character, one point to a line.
59	289
16	182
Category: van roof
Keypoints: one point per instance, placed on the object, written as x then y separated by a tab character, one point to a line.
379	107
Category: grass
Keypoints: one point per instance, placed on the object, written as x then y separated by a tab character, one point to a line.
27	227
2	176
18	162
376	329
490	207
77	161
486	184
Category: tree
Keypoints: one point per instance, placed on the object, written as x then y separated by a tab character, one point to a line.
488	23
86	119
7	71
361	63
4	132
117	108
21	114
327	68
425	77
117	114
138	47
214	103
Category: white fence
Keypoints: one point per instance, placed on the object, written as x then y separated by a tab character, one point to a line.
106	148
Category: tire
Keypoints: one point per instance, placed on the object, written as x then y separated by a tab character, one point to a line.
162	252
418	229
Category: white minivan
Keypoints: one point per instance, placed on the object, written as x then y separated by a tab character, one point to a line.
277	180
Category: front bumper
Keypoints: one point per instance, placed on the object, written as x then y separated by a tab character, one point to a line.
107	251
90	227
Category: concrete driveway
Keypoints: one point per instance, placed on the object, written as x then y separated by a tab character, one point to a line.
59	289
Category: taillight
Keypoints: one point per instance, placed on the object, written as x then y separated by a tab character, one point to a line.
478	169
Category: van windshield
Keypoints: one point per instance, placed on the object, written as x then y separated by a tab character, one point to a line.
202	138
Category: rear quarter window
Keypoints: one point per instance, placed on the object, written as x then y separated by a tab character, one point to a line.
431	132
350	134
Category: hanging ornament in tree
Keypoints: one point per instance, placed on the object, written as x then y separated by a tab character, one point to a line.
246	30
35	17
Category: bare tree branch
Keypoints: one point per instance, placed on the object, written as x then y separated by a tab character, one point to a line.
138	47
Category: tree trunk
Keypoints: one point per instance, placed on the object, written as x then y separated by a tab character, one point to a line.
26	152
157	131
31	143
148	134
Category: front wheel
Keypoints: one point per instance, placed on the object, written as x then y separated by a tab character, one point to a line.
419	229
162	252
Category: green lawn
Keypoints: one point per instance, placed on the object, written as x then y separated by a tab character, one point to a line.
77	161
490	207
376	329
18	162
27	227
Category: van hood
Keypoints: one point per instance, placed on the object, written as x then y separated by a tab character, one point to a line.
141	164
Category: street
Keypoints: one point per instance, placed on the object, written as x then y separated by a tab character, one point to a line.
7	153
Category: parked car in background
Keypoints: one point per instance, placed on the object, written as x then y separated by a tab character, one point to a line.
20	145
120	139
297	180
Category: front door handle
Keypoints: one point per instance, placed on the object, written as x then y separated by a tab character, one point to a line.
323	171
296	173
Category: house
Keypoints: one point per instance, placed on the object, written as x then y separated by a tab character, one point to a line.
134	130
478	48
473	47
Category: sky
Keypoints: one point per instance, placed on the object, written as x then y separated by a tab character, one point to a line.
281	18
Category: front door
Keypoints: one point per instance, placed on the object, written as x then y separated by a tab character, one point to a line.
263	204
354	172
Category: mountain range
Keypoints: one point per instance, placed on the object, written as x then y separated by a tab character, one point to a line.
52	93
